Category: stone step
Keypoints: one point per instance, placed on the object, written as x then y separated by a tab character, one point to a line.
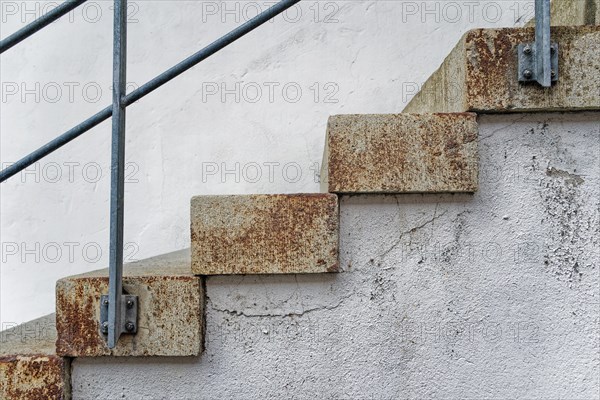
30	369
264	234
573	12
170	310
480	74
400	153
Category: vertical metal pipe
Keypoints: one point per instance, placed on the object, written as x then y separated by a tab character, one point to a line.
542	42
117	168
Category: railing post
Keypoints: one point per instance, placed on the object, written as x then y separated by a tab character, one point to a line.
538	61
117	309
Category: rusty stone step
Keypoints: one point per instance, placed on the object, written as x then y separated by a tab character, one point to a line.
30	369
264	234
480	74
170	313
400	153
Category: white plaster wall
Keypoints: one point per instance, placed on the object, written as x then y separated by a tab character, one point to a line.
363	56
491	295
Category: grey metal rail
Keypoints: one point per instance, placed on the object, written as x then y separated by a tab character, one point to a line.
147	88
39	23
118	310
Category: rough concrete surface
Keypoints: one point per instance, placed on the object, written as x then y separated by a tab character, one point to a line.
493	295
480	74
264	234
29	366
400	153
170	310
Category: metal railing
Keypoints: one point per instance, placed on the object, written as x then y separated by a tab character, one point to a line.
118	309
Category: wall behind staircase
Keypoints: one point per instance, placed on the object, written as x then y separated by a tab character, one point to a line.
345	56
486	296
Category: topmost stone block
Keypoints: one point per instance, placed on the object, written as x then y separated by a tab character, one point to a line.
480	74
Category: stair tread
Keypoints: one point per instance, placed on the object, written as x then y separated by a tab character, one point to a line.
173	263
170	313
29	365
400	153
480	74
33	337
264	234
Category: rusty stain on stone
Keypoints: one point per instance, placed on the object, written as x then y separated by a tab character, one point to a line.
170	315
34	377
264	234
401	153
480	74
29	366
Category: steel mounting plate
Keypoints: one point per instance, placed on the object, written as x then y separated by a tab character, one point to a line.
129	311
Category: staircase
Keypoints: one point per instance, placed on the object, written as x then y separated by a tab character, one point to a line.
453	253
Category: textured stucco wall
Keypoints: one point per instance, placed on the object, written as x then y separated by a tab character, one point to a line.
491	295
344	57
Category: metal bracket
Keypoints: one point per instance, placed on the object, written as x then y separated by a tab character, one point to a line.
538	61
129	312
527	63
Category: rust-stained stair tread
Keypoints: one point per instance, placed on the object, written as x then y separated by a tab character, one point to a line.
30	369
170	314
400	153
480	74
264	234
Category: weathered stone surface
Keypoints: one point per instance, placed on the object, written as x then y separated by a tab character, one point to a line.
264	234
443	296
573	12
29	366
480	74
400	153
170	313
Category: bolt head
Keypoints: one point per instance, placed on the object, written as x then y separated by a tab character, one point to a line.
129	326
105	301
527	74
527	49
105	327
130	303
553	73
552	49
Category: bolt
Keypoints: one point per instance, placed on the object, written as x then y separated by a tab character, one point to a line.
105	301
130	303
553	73
527	74
527	50
552	49
105	327
129	326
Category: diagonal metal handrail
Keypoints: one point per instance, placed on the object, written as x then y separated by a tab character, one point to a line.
114	314
39	23
147	88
